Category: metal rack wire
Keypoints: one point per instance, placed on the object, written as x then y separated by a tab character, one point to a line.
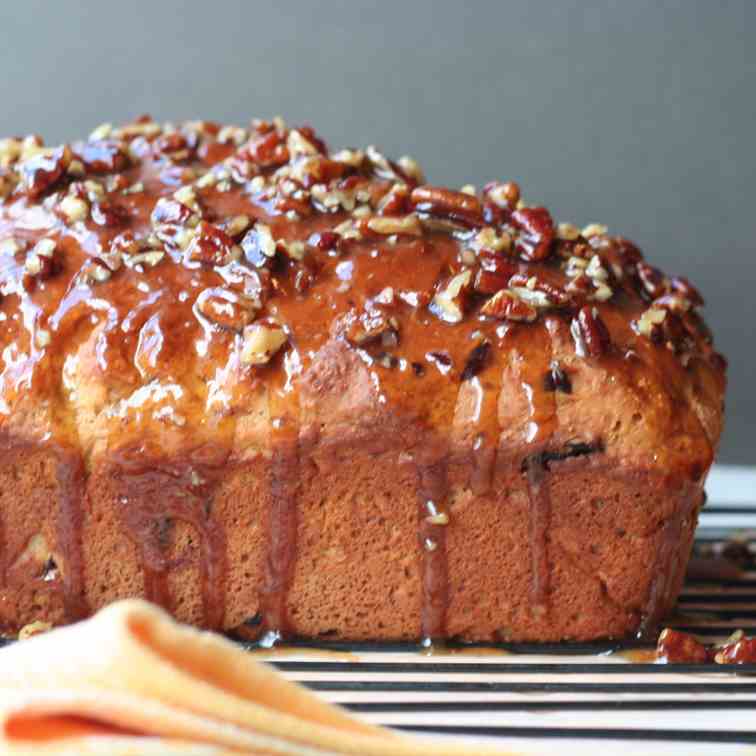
585	695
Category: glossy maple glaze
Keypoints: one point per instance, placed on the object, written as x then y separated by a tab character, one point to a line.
335	272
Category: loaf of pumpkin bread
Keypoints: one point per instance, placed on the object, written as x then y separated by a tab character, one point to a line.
305	393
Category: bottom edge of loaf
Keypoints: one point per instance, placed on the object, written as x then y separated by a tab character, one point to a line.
606	561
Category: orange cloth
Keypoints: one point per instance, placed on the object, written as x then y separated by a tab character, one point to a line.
132	681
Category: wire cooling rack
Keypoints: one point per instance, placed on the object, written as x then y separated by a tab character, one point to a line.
574	698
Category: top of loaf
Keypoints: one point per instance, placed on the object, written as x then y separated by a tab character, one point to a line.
157	279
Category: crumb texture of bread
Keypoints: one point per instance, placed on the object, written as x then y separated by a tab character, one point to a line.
287	391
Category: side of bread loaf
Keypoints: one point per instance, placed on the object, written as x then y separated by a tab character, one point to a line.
305	393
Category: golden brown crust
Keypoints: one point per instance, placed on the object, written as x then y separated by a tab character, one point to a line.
250	379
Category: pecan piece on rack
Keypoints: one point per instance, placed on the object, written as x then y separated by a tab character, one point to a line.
680	648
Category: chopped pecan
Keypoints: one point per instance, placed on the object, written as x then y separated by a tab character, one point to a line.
589	333
261	342
680	648
43	170
491	241
266	150
236	225
593	229
497	262
10	151
108	214
171	211
40	263
505	305
451	298
538	292
93	272
395	201
684	288
567	232
103	156
672	302
536	233
176	145
408	224
126	244
442	361
628	253
371	325
652	279
739	650
411	169
74	208
211	245
489	281
446	203
259	246
325	240
298	144
226	308
504	195
382	166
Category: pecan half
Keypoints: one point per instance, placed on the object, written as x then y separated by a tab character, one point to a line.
589	333
536	233
446	203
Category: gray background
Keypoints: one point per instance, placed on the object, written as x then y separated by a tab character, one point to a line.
639	114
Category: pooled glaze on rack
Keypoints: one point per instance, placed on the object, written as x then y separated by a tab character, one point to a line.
197	265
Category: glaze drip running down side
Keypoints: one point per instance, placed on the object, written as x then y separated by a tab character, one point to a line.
433	517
